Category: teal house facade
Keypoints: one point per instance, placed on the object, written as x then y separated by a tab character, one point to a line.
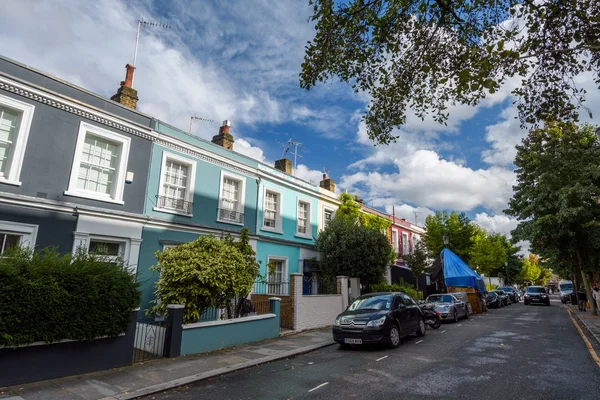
196	187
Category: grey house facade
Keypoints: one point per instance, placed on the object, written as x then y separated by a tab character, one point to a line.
73	166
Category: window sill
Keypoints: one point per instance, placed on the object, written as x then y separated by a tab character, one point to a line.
9	182
230	222
92	196
168	211
272	230
303	236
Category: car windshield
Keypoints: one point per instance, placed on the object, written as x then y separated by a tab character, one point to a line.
492	294
380	302
509	290
500	292
536	290
440	299
566	286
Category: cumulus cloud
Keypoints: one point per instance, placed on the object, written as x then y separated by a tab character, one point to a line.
244	147
407	212
426	179
502	224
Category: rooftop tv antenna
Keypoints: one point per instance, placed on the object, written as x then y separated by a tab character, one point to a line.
193	119
416	217
142	22
286	149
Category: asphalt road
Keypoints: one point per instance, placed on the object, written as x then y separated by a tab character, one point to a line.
517	352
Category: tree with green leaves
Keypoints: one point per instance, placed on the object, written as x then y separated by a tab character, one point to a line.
353	250
488	253
352	210
556	198
530	272
459	229
418	261
422	56
207	272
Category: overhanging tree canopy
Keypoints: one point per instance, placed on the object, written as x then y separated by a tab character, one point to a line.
425	55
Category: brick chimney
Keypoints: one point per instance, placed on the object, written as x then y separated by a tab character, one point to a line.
127	95
327	183
224	138
284	165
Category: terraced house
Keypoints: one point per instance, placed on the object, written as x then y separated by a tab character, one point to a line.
68	175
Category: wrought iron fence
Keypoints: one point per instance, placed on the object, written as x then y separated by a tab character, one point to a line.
318	285
149	341
275	288
174	204
230	215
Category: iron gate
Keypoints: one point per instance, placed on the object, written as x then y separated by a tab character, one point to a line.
149	342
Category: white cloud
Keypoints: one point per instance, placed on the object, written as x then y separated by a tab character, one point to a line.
424	178
407	212
502	224
243	147
309	175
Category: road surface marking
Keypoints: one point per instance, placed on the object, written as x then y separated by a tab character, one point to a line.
320	386
587	342
459	325
419	342
443	331
379	359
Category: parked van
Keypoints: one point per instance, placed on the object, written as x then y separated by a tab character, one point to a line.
566	288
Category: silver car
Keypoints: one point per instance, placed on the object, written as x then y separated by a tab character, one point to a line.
449	306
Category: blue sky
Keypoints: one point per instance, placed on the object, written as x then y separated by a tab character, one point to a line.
240	60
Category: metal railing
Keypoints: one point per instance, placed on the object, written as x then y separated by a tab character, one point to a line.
230	215
318	285
272	287
171	203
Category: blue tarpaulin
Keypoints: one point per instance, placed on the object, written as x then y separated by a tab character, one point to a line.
458	273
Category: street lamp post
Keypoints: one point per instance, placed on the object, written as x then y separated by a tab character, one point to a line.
446	240
506	267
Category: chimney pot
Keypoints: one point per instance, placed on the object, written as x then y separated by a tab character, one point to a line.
127	95
224	138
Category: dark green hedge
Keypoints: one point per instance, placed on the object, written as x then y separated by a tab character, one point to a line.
48	297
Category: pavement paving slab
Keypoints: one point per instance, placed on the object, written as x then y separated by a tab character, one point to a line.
589	320
158	375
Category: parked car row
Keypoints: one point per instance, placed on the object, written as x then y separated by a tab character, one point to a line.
387	317
501	297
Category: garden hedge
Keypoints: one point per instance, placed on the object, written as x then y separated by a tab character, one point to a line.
49	297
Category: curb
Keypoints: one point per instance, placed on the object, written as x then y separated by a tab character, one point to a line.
584	324
161	387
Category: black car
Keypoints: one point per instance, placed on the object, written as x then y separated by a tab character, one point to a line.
510	292
492	300
379	318
503	297
536	294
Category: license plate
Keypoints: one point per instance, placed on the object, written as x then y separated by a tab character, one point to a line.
353	341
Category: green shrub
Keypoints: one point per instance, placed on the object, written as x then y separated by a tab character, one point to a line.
48	297
208	272
384	287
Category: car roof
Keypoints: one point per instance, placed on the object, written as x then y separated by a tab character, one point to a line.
536	286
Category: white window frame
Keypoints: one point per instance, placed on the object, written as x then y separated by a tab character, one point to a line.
279	217
191	164
405	244
308	233
123	247
22	135
241	193
28	232
326	209
395	240
121	170
283	290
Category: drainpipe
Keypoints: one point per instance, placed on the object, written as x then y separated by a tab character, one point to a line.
258	180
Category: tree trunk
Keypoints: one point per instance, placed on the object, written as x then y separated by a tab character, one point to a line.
586	282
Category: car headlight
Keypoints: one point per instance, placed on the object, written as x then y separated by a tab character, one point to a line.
376	322
337	321
526	295
544	295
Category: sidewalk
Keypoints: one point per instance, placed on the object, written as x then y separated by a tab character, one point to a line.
158	375
589	320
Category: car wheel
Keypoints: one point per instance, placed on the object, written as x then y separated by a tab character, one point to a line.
394	337
421	331
436	324
455	316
